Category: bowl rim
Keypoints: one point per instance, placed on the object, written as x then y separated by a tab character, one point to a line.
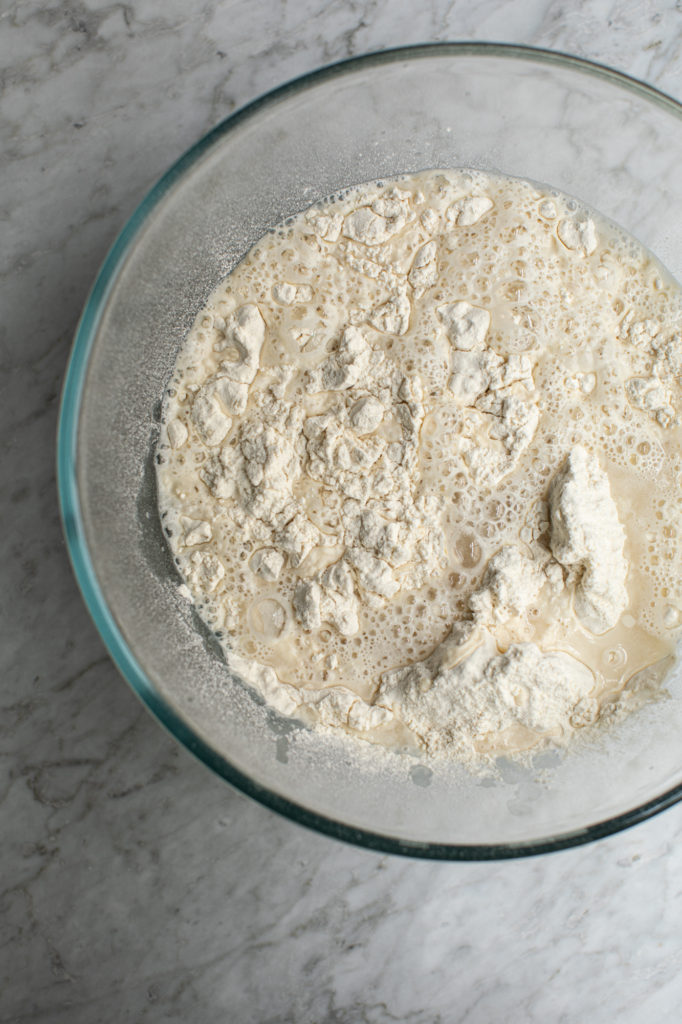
69	499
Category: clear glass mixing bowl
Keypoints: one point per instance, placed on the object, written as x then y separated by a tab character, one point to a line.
609	140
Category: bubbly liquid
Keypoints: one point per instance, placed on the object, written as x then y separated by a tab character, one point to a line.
570	310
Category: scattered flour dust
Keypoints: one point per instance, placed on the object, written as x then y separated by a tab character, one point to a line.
419	465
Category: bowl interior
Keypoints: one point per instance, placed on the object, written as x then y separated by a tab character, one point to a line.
613	144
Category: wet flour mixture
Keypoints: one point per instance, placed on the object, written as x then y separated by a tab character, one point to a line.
419	463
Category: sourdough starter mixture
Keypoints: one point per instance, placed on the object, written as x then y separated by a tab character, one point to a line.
419	466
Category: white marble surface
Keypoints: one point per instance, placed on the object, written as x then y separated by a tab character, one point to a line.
135	885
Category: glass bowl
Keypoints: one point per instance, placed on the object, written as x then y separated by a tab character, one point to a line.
610	141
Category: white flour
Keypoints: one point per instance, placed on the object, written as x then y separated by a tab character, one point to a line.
418	465
586	537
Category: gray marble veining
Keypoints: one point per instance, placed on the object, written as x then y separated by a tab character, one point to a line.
135	886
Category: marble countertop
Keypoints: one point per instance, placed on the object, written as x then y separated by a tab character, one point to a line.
135	885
